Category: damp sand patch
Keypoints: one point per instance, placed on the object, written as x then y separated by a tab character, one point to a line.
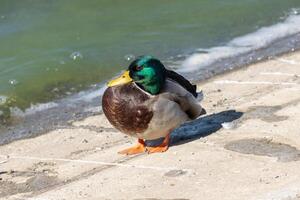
265	147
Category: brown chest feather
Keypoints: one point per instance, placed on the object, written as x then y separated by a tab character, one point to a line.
124	108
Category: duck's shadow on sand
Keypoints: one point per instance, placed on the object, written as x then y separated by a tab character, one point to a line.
199	128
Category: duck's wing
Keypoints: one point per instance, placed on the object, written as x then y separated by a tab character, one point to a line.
183	82
177	93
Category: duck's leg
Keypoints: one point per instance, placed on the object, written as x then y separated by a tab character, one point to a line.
162	147
138	148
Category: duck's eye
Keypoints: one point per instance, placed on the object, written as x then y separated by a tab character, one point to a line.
138	68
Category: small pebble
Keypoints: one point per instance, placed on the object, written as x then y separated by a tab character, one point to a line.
85	141
174	173
228	125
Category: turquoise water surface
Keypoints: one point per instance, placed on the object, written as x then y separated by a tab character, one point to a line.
50	49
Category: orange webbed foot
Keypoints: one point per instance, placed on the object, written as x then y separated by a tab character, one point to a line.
158	149
138	148
161	148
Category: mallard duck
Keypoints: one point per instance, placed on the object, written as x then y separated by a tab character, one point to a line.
149	101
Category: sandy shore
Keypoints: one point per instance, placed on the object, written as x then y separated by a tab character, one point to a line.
246	147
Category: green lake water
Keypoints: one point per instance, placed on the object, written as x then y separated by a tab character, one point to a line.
53	48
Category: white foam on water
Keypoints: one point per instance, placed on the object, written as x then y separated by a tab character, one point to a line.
253	41
88	96
16	112
34	108
39	107
95	109
84	96
2	99
76	55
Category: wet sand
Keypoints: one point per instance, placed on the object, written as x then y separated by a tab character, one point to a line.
246	147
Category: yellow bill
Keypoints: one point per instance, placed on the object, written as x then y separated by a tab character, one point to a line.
123	79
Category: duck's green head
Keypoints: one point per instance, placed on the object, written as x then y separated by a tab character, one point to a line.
147	72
